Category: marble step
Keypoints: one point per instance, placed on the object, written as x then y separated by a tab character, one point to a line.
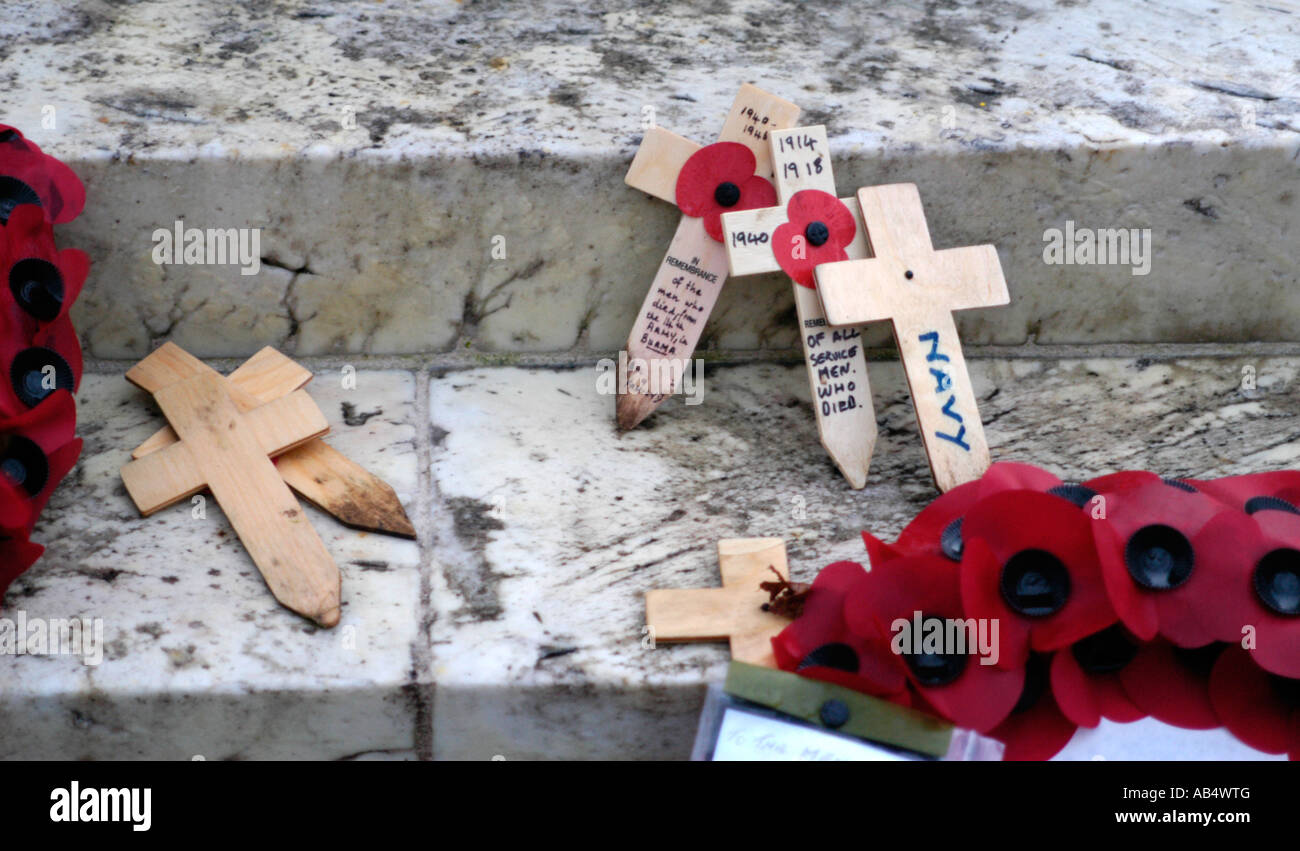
385	151
513	628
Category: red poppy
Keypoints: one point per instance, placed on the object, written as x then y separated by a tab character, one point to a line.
1086	682
937	530
819	645
1029	562
818	231
1260	709
1172	684
39	283
1144	542
1278	490
1036	729
16	555
719	178
914	604
28	176
37	450
15	507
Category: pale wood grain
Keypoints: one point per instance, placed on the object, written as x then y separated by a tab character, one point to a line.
659	158
921	305
754	114
733	612
229	456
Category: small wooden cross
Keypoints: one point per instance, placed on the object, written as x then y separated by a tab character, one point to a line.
837	365
227	452
319	473
733	612
918	288
692	273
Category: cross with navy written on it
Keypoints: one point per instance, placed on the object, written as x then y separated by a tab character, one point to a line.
691	275
837	366
918	288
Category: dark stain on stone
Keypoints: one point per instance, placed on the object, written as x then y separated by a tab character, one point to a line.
1198	205
437	434
474	580
369	564
353	417
105	574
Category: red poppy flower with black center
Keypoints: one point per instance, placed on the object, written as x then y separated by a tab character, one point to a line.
914	604
1086	678
16	555
1029	563
28	176
1261	709
40	283
1278	490
1149	563
937	530
818	231
1172	684
719	178
1036	729
37	450
819	645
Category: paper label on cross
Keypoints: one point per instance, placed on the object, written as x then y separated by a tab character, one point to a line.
918	288
687	284
733	612
227	452
836	363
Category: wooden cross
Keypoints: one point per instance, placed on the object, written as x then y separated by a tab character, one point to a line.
227	452
319	473
918	288
837	365
692	273
733	612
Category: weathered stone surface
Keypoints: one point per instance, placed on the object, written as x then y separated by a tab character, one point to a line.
382	148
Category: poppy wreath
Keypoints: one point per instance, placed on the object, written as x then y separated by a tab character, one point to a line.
1122	597
40	354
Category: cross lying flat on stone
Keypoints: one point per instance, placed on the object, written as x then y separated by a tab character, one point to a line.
918	288
227	452
692	273
733	612
319	473
837	366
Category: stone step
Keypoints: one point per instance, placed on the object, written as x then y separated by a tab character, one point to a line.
513	628
385	150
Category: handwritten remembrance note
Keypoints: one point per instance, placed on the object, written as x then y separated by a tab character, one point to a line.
746	737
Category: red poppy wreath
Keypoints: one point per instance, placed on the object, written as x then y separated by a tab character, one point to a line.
1124	597
39	350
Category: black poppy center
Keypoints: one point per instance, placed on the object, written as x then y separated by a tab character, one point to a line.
31	376
817	233
727	194
839	656
1035	583
1077	494
24	464
935	669
37	287
1159	557
1277	581
1287	689
1269	503
1180	484
12	193
950	540
1037	678
1104	652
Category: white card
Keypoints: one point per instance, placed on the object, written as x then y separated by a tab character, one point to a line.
746	737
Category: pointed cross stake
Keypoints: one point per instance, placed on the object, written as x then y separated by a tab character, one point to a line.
321	474
907	281
226	452
837	366
692	273
733	612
